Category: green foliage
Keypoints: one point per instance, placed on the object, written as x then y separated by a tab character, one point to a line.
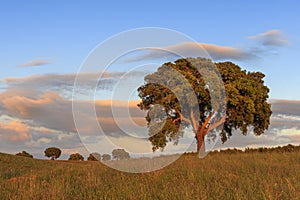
52	152
252	175
247	100
106	157
180	89
76	156
25	154
94	157
120	154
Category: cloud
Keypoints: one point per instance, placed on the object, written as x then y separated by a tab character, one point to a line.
286	107
64	83
270	138
270	38
215	51
195	49
47	110
36	62
47	120
52	111
286	114
131	144
14	131
59	81
284	128
38	120
69	151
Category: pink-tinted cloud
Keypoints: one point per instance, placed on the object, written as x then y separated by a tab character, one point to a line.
14	131
196	49
217	52
38	120
52	111
270	38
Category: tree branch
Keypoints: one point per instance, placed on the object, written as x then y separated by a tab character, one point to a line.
195	123
181	117
218	123
175	120
205	123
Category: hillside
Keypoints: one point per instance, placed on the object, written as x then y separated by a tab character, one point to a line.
269	175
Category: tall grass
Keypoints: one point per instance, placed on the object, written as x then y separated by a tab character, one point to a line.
218	176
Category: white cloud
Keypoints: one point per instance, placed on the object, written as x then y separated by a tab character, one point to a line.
286	117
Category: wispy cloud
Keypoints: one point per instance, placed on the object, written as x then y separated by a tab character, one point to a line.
59	82
286	107
270	38
195	49
35	62
223	52
64	83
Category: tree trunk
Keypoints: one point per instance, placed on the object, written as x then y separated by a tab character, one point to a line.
200	143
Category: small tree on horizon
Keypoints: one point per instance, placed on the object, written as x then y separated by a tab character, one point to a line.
120	154
106	157
52	152
76	156
94	157
25	154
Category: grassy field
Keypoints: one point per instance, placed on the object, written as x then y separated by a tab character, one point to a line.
218	176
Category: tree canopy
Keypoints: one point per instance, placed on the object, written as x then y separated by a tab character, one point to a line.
25	154
94	157
120	154
52	152
76	156
209	97
106	157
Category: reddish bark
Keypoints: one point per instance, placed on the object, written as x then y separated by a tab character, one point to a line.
201	130
200	135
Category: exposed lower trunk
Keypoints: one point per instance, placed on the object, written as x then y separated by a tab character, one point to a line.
200	143
201	129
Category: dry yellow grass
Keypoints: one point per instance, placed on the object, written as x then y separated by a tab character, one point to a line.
270	175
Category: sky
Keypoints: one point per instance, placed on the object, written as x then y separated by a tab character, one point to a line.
44	44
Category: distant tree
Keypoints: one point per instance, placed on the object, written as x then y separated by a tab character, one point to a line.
106	157
289	148
245	104
119	154
52	152
76	156
94	157
231	151
25	154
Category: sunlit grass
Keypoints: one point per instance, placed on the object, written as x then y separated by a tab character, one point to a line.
270	175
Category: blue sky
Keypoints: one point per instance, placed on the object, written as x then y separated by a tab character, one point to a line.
45	41
65	32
